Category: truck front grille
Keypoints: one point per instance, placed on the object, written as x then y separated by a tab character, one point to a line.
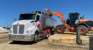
15	29
21	29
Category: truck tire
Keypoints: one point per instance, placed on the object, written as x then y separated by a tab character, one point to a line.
60	29
36	37
52	32
83	29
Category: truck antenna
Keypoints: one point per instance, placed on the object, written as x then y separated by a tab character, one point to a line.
14	19
41	18
41	10
7	24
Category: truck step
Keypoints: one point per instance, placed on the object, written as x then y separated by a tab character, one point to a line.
42	37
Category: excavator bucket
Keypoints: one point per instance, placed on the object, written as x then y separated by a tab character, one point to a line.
48	12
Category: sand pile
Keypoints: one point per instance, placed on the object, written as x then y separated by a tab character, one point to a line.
3	30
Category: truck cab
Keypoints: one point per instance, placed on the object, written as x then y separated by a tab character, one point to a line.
31	27
25	28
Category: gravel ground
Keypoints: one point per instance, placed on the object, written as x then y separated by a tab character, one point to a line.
5	44
42	45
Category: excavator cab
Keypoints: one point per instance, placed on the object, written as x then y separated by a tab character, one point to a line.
72	18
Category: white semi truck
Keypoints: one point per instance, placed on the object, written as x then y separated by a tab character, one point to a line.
32	27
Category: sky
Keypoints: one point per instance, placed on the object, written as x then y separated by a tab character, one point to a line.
10	9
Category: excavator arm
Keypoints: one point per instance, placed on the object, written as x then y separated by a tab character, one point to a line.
59	14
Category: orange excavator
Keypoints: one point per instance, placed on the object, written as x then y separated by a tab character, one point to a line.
72	23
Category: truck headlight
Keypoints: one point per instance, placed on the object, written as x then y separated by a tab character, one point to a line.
31	31
27	31
10	31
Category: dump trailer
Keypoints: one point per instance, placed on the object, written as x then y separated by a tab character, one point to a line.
32	27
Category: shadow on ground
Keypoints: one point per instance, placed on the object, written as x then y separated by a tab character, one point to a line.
74	33
24	43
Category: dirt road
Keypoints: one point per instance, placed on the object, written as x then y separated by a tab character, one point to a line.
41	45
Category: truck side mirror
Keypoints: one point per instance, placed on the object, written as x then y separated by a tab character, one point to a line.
32	21
35	20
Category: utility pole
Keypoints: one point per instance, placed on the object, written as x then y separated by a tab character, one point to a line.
22	11
7	24
14	19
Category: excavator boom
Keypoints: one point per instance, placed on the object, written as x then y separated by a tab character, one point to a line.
59	14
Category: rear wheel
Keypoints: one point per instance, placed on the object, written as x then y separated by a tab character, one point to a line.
60	29
83	29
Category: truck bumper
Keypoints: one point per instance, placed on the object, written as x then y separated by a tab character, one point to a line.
21	37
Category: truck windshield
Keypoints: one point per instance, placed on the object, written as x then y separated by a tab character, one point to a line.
27	17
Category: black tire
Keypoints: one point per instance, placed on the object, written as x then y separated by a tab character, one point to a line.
85	29
52	32
60	26
36	37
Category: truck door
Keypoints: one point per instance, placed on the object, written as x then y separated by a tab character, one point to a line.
38	22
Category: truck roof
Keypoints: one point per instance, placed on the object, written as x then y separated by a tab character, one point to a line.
34	12
27	13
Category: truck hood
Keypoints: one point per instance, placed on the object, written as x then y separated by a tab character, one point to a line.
26	23
22	22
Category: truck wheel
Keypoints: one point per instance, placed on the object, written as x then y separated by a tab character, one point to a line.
52	32
60	29
83	29
36	37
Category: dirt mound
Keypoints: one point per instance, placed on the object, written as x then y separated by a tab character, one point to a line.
3	30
